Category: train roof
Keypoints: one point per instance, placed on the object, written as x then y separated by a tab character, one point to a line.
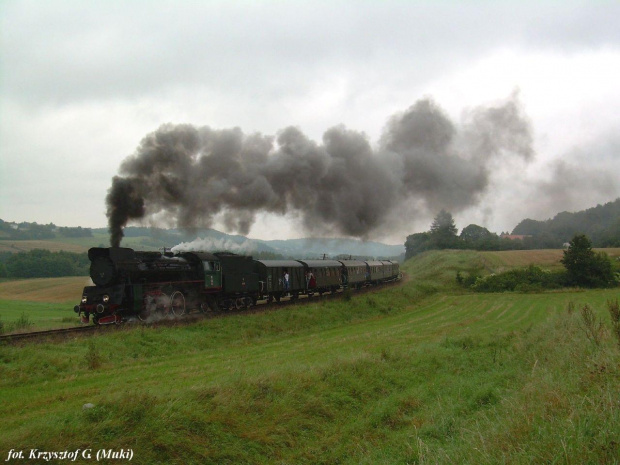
321	263
352	262
280	263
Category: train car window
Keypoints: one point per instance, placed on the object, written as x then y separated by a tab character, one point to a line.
211	266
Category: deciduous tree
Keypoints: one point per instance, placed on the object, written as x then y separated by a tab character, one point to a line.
584	267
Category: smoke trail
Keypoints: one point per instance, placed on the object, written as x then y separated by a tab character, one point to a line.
343	185
247	246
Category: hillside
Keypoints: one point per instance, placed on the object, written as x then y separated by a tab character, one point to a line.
424	372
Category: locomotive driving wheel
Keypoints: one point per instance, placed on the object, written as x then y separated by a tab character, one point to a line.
177	302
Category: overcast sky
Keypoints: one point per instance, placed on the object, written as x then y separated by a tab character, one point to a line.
83	82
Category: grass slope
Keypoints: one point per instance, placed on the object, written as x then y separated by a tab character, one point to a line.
421	373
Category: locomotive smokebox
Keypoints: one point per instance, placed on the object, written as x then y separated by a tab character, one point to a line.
104	263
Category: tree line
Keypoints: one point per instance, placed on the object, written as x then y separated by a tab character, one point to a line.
443	235
34	231
39	263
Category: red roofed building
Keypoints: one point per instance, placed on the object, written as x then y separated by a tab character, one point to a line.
514	237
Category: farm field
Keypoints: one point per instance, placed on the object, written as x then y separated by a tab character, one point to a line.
549	258
50	290
78	244
42	303
424	372
51	245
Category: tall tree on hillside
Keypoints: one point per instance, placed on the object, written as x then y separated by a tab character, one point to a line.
473	233
479	238
417	243
443	231
584	267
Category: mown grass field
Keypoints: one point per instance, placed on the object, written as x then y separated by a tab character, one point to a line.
425	372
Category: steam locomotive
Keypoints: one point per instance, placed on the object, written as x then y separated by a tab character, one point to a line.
130	283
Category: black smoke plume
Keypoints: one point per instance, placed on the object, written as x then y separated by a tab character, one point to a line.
191	174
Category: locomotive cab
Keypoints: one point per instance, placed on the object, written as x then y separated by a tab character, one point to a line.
210	268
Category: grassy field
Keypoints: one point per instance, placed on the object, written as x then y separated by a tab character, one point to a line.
425	372
36	304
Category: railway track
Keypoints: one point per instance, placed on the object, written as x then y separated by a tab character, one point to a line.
50	333
188	318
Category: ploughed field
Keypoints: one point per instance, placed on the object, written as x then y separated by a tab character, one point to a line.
424	372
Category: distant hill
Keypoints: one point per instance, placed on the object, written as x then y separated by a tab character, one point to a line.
601	224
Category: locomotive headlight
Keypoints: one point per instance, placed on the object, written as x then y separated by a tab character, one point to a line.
106	299
84	299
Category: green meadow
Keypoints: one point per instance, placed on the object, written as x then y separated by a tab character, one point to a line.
421	372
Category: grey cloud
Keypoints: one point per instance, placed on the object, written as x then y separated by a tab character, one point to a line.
59	51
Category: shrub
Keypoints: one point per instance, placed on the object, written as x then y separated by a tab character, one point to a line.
586	268
614	312
591	325
469	280
23	322
530	279
93	356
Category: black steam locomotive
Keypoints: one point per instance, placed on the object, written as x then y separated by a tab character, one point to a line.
129	283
